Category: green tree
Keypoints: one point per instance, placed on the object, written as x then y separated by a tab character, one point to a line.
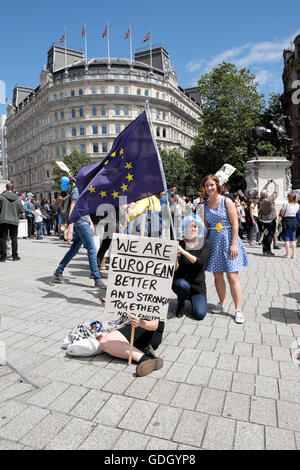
178	172
74	161
231	105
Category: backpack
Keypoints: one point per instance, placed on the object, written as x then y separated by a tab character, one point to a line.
64	209
266	208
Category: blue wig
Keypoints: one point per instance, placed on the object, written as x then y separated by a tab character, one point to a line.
194	218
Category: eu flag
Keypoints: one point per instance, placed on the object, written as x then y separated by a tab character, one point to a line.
132	169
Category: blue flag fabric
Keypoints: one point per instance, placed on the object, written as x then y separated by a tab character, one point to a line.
131	169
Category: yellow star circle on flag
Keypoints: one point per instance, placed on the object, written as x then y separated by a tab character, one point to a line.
124	187
129	177
121	151
103	194
113	154
128	165
115	194
92	189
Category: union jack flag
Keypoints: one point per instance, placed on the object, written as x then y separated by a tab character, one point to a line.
62	38
105	32
127	34
147	37
83	31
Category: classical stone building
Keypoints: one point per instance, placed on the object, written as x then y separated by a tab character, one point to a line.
291	102
84	105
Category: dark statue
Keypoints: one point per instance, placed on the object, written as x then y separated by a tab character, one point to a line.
276	134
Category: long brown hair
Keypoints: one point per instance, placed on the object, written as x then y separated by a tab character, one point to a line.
292	198
215	179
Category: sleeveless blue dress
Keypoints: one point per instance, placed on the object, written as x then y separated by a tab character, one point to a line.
220	236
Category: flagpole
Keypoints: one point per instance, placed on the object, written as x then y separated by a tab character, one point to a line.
150	49
130	46
65	49
108	56
85	42
161	168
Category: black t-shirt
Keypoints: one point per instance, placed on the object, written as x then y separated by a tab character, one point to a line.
194	273
231	196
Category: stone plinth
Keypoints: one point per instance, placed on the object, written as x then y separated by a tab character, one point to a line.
259	170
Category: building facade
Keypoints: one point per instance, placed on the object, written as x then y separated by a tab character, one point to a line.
3	153
291	102
84	105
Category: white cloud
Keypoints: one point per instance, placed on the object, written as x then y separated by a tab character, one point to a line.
250	54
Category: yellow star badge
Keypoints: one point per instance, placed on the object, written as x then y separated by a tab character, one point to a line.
129	177
124	187
103	194
219	227
115	194
92	189
128	165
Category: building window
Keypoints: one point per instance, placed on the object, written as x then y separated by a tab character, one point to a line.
64	151
81	112
164	116
82	131
164	132
63	134
57	151
157	94
62	115
61	95
80	92
104	147
94	91
55	96
82	147
102	90
117	128
125	90
73	131
117	111
157	115
95	130
72	92
95	148
158	132
56	134
73	113
104	129
55	116
103	111
146	93
48	174
126	111
94	111
138	91
163	96
117	90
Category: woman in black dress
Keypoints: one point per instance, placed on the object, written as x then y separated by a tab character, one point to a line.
189	278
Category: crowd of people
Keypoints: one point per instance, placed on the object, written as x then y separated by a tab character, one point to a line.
214	225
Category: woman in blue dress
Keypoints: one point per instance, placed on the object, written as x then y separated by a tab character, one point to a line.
227	254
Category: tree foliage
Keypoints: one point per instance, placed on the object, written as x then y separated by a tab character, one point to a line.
74	161
179	171
231	105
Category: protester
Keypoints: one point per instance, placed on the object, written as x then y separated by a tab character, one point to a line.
268	216
289	224
81	231
189	278
147	337
10	208
227	254
29	210
38	220
253	221
225	191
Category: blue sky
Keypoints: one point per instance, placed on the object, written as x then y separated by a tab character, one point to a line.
198	35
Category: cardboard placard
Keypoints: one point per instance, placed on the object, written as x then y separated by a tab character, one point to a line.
225	172
140	276
63	166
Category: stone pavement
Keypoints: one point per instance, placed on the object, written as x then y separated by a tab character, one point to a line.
223	386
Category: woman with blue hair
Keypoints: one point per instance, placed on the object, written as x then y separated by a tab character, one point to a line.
189	279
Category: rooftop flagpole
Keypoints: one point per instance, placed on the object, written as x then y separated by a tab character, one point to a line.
65	48
130	44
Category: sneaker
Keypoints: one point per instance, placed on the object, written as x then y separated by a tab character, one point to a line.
148	366
16	258
58	279
239	317
100	284
219	308
276	247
